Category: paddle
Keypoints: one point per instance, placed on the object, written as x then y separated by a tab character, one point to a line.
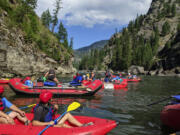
71	107
164	99
24	107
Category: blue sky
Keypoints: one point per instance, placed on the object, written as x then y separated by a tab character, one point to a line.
88	21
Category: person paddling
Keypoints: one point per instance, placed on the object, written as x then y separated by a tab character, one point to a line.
16	112
44	114
51	76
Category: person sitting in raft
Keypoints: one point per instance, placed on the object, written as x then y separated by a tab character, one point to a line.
129	76
16	112
77	80
87	77
107	76
51	76
134	77
44	114
92	77
116	79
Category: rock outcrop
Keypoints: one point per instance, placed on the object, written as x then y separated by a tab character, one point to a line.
20	59
167	59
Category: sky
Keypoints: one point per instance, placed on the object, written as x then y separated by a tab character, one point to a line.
88	21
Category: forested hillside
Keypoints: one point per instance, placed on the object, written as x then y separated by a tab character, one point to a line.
84	51
24	37
147	41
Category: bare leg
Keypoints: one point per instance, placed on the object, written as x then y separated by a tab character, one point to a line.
15	114
63	125
56	80
3	120
71	119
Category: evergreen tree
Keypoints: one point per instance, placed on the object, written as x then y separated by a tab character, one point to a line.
173	10
55	13
131	26
165	28
62	33
155	41
46	18
31	3
178	27
71	42
147	56
168	45
27	7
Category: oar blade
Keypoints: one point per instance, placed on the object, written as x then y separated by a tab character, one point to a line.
31	105
73	106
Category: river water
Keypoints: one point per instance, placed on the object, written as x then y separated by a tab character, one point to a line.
128	106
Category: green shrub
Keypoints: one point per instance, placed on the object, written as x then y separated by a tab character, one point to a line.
4	4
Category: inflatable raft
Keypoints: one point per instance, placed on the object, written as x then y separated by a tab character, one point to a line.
4	81
115	85
170	114
63	90
100	127
134	80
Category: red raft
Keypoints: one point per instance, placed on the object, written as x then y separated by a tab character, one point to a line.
100	127
4	81
170	116
134	80
20	88
116	85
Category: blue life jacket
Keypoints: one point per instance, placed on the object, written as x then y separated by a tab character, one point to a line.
49	115
106	79
77	81
29	83
49	83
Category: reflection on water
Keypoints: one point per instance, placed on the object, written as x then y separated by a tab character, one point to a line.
128	106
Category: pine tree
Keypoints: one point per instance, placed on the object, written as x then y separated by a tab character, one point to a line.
31	3
62	33
165	28
178	27
46	18
55	14
27	7
173	10
71	43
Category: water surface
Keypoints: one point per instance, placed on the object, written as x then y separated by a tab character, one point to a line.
128	106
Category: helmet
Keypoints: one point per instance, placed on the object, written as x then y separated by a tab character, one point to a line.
45	96
1	89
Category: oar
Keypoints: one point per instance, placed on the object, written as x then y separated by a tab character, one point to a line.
24	107
71	107
164	99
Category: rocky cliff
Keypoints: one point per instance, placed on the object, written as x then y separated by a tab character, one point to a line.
19	58
163	18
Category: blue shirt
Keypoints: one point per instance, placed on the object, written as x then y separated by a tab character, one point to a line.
7	103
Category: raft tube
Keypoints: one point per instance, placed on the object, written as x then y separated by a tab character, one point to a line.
170	116
99	127
116	85
134	80
4	81
20	88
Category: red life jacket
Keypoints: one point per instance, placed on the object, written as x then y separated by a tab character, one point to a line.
2	105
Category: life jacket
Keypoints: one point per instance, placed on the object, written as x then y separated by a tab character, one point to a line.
108	74
25	79
2	105
49	116
52	72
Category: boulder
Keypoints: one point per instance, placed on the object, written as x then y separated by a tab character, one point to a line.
136	70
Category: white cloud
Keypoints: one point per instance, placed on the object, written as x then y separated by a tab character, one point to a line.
90	12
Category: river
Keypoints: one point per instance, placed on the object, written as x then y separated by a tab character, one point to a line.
128	106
